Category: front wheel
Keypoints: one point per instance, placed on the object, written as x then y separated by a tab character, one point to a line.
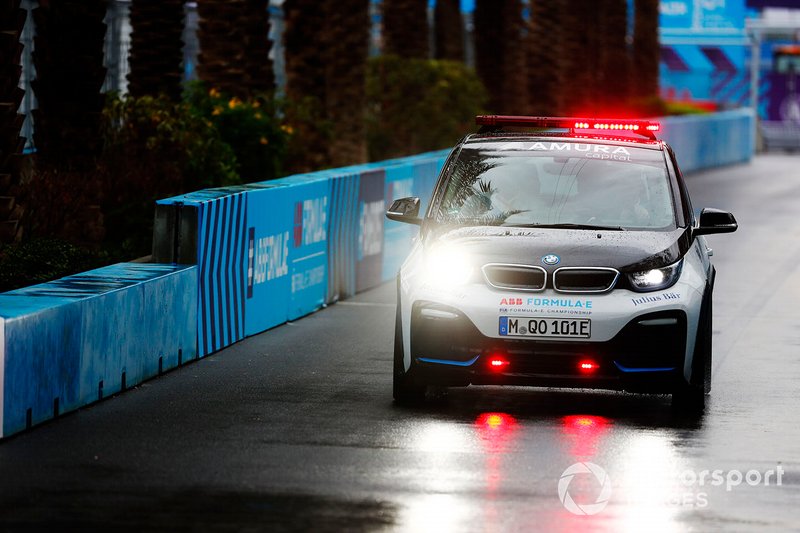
692	396
404	390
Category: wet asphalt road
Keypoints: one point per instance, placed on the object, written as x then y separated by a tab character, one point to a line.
295	429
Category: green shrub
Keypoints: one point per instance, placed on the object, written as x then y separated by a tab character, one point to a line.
185	151
154	148
251	128
417	105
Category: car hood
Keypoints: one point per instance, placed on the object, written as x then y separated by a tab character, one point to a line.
624	250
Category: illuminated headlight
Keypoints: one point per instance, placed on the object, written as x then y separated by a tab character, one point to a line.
656	279
447	267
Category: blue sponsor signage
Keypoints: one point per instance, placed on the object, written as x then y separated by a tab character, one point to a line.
397	236
269	237
308	253
705	16
371	211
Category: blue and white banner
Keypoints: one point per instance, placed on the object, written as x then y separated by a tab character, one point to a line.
397	236
698	17
220	258
308	256
343	236
269	237
371	212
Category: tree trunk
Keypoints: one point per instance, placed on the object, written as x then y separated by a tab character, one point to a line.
614	65
580	57
499	54
12	20
221	62
156	48
304	46
258	66
234	48
449	31
545	52
69	75
646	49
346	68
326	46
405	28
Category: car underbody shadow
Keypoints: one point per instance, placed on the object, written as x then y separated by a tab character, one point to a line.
540	404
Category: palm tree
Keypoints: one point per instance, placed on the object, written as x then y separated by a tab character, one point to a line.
304	48
405	28
613	67
221	62
234	48
69	74
449	30
259	76
645	49
156	48
545	51
499	54
345	77
12	20
580	56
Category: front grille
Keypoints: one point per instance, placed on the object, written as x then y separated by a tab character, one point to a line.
515	277
584	279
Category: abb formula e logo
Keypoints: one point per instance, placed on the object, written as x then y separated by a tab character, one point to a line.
511	301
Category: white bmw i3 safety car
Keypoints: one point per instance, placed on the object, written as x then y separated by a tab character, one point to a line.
560	252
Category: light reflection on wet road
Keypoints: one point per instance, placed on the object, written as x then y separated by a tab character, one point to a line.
295	429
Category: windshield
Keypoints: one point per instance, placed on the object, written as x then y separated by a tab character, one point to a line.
565	183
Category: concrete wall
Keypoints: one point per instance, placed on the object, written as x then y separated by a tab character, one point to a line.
707	141
73	341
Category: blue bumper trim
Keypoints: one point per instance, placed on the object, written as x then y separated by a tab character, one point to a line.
627	369
448	362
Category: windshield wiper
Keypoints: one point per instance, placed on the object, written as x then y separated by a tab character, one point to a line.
567	226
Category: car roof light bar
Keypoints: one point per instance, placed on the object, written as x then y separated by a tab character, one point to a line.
645	128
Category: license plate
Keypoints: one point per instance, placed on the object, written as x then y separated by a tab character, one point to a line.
513	326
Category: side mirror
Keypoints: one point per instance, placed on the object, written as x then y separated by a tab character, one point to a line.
405	210
715	221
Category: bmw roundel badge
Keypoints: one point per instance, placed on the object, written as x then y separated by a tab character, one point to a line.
551	259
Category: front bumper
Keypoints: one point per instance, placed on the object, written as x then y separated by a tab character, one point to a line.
646	355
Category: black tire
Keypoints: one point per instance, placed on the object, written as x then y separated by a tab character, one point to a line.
404	390
692	396
708	334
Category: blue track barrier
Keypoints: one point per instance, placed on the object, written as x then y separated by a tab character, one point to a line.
712	140
70	342
275	251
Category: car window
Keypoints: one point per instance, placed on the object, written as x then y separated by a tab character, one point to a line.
543	183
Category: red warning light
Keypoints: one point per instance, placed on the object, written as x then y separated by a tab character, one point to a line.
498	363
587	366
645	128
